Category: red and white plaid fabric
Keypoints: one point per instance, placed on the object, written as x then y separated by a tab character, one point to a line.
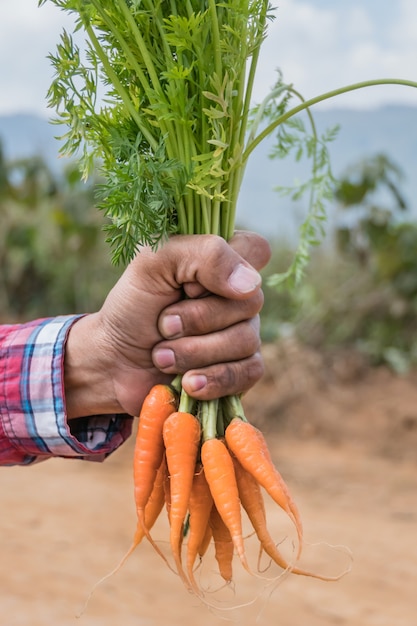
33	424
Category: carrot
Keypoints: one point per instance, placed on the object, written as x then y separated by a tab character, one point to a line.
223	545
153	506
200	505
149	446
160	402
248	444
167	494
252	501
206	542
181	434
220	474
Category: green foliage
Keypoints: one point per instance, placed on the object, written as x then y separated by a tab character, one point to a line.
176	128
53	257
169	132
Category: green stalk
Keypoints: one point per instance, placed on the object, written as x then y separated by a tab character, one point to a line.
141	46
252	75
315	135
168	132
326	96
215	216
233	408
242	108
120	89
205	210
187	403
218	65
126	48
208	416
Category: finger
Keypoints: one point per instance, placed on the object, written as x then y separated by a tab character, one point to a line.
233	344
252	247
207	260
206	315
224	379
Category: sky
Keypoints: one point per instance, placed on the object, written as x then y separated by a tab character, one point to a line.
319	45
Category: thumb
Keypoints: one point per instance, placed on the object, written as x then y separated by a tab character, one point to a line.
243	280
207	263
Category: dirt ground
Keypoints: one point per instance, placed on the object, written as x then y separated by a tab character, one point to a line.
345	439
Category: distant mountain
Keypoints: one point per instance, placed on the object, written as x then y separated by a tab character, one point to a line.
389	130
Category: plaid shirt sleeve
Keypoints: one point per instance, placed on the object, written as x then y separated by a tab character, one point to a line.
33	424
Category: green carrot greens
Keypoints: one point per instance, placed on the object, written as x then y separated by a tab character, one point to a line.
174	126
170	128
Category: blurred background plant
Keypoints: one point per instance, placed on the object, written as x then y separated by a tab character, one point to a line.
53	256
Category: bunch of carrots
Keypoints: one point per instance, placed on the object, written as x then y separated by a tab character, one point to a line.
206	474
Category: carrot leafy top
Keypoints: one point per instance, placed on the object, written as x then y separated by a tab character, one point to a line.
169	129
161	97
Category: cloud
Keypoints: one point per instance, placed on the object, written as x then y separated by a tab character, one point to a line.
320	47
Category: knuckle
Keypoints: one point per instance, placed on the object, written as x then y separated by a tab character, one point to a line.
215	250
188	355
200	317
226	378
249	336
256	368
238	377
253	305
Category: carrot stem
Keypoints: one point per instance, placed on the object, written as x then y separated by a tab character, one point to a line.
233	408
208	413
187	403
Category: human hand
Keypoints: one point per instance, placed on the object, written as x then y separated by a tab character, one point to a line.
146	331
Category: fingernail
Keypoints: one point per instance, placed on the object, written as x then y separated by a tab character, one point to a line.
163	358
196	382
171	326
244	279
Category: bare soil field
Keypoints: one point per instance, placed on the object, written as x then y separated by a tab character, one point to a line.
345	439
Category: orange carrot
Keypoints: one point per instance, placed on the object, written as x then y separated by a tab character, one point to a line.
220	475
206	542
200	505
167	494
152	511
249	446
160	402
181	434
153	506
223	545
149	446
252	501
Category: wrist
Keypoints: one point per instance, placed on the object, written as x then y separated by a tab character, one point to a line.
88	382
